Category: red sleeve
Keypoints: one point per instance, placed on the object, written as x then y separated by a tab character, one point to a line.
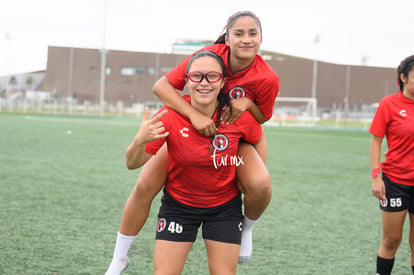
177	75
381	119
268	90
153	146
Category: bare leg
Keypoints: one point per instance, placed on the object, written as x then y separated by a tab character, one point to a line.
255	181
150	181
256	185
170	257
222	257
411	238
392	229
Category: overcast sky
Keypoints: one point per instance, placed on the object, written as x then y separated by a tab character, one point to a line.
378	31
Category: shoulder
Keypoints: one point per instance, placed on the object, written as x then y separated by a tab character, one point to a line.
390	99
220	49
170	113
264	71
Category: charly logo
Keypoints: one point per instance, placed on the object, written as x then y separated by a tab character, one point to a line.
237	92
184	132
162	223
220	142
403	112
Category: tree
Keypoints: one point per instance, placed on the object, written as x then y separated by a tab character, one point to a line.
31	82
13	81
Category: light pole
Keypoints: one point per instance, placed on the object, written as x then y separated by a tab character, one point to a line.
103	66
315	77
348	81
8	37
70	79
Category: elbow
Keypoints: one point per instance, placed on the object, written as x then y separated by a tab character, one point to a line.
130	165
157	88
129	160
264	120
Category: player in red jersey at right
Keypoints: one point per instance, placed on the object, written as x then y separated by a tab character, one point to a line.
394	120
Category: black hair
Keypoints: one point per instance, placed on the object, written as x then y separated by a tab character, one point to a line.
211	54
406	66
230	22
223	98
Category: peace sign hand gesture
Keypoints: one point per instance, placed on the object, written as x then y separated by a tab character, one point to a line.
151	129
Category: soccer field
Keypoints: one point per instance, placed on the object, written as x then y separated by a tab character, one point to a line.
64	184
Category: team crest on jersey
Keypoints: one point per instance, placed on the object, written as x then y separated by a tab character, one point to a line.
162	223
220	142
384	202
237	92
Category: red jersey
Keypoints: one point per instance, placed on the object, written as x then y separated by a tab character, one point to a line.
395	119
258	81
195	176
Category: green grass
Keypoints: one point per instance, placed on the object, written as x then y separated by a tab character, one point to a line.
64	185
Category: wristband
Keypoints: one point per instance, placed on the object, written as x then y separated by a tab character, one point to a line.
375	172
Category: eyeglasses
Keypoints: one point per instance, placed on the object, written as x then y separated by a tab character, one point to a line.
211	77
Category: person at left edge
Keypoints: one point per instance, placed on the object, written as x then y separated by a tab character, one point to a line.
201	188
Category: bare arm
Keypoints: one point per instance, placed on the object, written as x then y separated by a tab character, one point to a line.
150	130
239	106
378	188
170	97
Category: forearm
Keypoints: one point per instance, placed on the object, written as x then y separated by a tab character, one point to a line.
375	151
256	112
171	98
378	187
135	155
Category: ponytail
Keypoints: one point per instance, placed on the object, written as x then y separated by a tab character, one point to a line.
223	100
221	39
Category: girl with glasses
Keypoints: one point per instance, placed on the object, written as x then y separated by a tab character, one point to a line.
252	86
201	188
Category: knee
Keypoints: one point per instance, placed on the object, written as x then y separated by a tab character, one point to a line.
145	190
259	186
391	243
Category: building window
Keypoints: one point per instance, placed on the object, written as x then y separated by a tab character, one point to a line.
166	69
151	70
132	70
108	71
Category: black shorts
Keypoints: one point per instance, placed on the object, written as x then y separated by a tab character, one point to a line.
179	222
398	197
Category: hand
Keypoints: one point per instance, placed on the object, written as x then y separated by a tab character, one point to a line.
151	129
238	107
203	124
378	188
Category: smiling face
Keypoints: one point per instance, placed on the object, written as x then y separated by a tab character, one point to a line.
204	94
244	39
